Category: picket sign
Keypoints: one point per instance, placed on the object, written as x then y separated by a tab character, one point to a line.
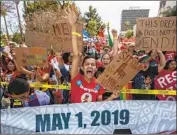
140	117
31	56
156	33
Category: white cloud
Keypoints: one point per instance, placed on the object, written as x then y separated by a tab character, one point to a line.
110	11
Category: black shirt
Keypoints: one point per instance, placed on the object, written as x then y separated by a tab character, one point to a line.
145	80
99	71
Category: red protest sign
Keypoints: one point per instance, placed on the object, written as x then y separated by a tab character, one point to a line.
166	81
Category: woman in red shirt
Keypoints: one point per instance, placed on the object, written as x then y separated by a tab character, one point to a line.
84	87
168	75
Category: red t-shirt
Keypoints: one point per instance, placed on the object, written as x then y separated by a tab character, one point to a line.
50	57
166	80
99	64
170	55
82	91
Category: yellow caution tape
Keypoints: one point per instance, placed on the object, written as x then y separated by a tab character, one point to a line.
17	102
149	92
124	90
62	86
40	85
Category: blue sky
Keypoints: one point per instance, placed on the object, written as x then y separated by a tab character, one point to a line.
110	11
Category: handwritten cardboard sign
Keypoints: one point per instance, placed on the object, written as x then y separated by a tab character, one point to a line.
31	56
120	71
46	29
60	38
40	39
63	32
156	33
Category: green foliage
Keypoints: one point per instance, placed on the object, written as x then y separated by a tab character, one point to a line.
127	24
2	38
93	21
129	33
6	7
92	27
40	5
169	12
17	37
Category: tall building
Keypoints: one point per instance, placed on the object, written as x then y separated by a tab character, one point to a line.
164	6
131	15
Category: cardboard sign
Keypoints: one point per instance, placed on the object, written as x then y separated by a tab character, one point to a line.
60	38
31	56
167	81
46	29
120	71
156	33
39	39
63	31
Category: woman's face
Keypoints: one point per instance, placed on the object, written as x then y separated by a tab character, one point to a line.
89	68
172	66
11	66
144	66
153	54
106	60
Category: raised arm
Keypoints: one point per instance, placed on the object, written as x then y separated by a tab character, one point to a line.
162	60
72	17
20	68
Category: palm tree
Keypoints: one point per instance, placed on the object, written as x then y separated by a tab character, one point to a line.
4	14
20	26
25	6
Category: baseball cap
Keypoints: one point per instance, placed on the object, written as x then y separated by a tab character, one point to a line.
145	58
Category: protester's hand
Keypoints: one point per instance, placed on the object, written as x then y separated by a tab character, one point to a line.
114	33
158	51
116	93
71	14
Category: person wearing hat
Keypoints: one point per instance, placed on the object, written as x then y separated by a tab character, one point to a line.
145	77
141	53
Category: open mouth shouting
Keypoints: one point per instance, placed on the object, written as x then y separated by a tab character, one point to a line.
89	73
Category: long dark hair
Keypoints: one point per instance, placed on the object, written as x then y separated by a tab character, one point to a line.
168	63
65	57
7	66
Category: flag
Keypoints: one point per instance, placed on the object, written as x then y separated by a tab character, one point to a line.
126	96
110	40
109	37
86	36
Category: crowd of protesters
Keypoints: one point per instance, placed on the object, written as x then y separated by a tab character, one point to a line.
78	68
